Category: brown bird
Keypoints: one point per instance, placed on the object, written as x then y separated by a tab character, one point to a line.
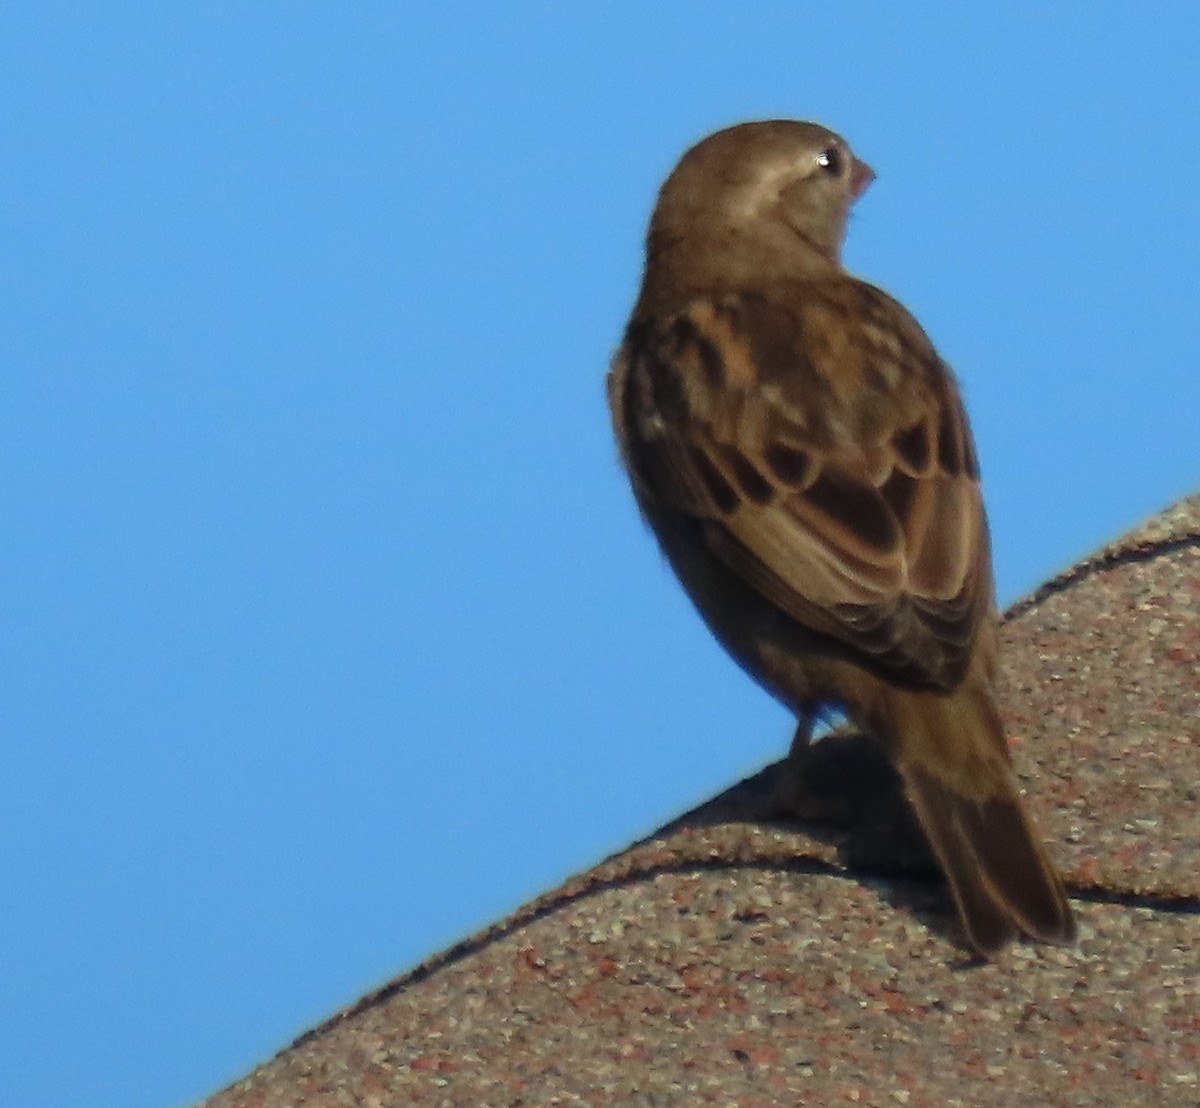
803	456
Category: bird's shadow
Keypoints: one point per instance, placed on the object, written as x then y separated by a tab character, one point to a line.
843	792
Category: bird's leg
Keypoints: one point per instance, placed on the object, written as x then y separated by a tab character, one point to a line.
806	718
788	794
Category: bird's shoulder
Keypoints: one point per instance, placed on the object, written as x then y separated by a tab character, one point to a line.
832	364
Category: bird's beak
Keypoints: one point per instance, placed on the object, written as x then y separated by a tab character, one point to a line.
860	177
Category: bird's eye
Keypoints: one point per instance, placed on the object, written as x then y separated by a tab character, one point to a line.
832	161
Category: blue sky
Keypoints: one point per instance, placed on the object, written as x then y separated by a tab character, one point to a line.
330	631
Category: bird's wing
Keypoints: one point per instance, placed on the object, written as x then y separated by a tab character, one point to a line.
817	436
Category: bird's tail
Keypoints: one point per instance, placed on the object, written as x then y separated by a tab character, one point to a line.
952	755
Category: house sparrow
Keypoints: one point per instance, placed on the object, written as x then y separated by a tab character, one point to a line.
802	455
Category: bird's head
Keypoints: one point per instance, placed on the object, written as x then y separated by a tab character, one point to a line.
760	201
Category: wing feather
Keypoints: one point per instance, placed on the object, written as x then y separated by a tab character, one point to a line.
820	439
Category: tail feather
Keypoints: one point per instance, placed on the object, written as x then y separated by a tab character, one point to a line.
999	874
951	753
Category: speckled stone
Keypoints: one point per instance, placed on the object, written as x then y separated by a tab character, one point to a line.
789	944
